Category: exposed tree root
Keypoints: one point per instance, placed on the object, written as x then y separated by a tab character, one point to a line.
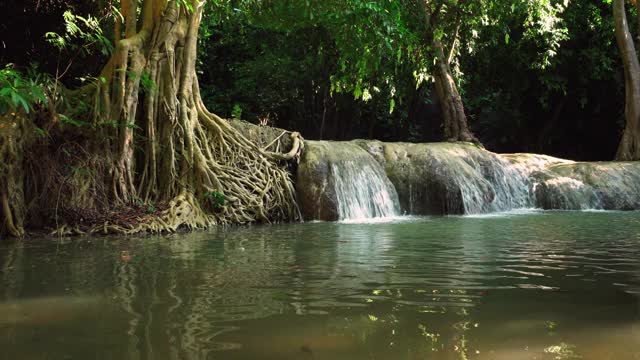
13	139
153	145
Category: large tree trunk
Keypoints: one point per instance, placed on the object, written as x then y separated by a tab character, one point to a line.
154	142
191	156
629	148
454	118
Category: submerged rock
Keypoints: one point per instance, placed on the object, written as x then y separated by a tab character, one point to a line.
49	310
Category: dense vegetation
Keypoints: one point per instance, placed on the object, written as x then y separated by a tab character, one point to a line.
120	104
539	76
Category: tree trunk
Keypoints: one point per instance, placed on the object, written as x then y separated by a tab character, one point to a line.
191	156
14	137
148	108
454	118
629	148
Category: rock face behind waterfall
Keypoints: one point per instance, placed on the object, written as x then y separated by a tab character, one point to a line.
457	178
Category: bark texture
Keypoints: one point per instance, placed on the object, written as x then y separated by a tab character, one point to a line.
629	148
14	130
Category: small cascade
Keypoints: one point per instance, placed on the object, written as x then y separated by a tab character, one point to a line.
588	186
363	190
342	181
446	178
497	187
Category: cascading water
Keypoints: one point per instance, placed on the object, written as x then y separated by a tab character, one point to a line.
339	180
507	188
451	178
365	179
363	190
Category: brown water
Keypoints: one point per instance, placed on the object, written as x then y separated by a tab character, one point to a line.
542	285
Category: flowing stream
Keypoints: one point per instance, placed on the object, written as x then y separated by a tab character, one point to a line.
477	182
486	182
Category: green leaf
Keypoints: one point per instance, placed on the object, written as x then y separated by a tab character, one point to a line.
6	91
69	121
18	101
25	105
40	132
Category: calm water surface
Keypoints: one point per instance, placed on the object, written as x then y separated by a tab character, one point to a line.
541	285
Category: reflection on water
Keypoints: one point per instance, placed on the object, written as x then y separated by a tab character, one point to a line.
540	285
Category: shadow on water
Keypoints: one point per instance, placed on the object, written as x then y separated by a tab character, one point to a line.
541	285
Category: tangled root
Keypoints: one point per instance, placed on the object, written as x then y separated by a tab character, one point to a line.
183	212
171	151
258	189
14	136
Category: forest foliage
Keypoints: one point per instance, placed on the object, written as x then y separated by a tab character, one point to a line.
535	75
540	76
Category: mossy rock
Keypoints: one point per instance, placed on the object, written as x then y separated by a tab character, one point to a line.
458	178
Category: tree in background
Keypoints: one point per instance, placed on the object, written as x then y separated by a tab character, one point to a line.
452	31
557	92
629	148
446	17
379	42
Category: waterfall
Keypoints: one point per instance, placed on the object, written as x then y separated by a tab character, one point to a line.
501	187
365	179
448	178
339	180
363	190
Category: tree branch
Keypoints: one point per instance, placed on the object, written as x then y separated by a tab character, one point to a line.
435	14
455	39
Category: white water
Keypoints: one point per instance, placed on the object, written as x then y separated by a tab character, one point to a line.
363	190
486	184
509	187
468	180
507	213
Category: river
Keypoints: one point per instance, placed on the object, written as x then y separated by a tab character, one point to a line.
517	285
